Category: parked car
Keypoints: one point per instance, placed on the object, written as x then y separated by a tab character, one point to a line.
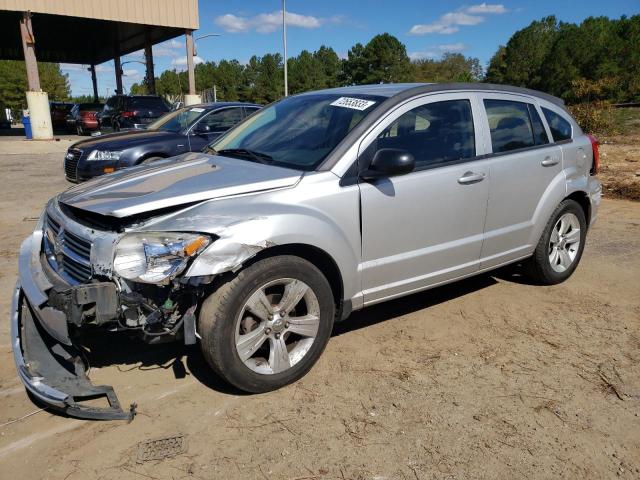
189	129
128	112
6	117
59	112
82	117
318	205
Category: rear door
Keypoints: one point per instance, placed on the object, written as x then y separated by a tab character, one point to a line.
425	227
524	166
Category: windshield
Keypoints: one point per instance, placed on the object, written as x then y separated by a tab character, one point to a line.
177	120
297	132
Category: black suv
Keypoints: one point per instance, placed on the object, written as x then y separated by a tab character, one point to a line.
127	112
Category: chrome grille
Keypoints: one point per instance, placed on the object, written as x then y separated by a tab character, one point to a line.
71	160
68	253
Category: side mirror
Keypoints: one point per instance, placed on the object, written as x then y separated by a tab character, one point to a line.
389	162
201	129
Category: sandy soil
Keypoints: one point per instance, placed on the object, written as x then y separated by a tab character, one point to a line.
620	161
488	378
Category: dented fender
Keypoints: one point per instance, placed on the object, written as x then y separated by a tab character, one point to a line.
244	226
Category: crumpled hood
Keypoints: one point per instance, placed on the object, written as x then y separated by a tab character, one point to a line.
188	178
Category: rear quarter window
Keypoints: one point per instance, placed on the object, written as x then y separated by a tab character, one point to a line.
560	127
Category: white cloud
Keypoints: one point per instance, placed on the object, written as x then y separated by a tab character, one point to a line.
270	22
437	50
72	67
131	73
138	54
487	8
452	21
181	62
105	68
168	49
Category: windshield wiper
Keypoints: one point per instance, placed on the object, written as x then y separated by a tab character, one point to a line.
243	152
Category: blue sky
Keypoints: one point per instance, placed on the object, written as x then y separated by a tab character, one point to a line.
428	29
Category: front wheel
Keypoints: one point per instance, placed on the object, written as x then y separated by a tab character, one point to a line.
150	160
560	248
268	325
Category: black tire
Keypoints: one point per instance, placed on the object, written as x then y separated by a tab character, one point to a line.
79	130
539	267
116	127
221	310
149	160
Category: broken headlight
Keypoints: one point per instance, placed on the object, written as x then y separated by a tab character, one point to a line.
156	257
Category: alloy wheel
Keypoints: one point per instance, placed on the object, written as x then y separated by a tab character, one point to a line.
277	326
564	243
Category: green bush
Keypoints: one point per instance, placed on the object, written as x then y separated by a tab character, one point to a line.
595	117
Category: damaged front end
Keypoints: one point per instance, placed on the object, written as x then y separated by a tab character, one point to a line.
67	285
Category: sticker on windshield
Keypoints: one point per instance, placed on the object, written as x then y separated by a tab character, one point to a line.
197	110
354	103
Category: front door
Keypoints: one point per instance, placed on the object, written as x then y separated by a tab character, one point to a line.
425	227
212	126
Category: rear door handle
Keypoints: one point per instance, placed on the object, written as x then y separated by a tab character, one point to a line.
471	177
550	161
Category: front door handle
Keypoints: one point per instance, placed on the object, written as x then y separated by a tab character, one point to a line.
471	177
550	161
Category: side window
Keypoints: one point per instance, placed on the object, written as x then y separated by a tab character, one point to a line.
111	103
250	110
560	128
222	120
434	133
509	124
539	133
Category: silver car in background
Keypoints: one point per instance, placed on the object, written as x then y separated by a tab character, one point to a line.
316	206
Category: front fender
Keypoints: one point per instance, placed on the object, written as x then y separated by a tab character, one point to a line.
254	223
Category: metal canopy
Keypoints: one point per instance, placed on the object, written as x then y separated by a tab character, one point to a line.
87	41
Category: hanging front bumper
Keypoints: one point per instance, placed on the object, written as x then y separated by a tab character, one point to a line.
47	362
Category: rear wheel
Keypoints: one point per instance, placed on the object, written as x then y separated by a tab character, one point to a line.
560	248
267	326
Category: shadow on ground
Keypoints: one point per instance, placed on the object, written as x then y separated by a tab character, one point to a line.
132	353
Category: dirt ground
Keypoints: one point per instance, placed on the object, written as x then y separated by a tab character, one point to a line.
487	378
620	158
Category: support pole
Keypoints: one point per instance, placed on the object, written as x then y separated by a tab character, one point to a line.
94	81
118	68
28	45
284	42
37	100
191	98
151	79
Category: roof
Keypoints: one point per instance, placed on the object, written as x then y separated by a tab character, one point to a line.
223	104
93	32
168	13
380	89
411	89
